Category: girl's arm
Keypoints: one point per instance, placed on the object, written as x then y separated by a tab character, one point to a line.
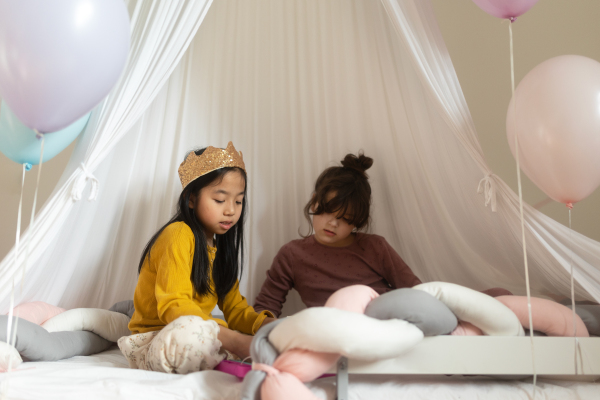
275	288
395	270
239	315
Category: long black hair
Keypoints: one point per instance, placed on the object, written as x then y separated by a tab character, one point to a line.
229	260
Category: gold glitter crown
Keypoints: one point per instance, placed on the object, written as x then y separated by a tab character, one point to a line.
213	158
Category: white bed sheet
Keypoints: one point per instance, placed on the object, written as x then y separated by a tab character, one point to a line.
107	376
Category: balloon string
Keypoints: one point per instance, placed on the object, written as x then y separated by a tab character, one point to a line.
32	220
12	339
573	295
17	245
5	384
512	80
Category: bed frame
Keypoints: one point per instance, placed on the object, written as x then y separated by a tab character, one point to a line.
497	356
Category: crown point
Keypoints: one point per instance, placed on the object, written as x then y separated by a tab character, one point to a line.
210	160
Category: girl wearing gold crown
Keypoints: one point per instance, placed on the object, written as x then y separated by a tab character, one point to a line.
191	265
337	254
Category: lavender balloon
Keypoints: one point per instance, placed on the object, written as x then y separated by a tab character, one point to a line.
59	59
508	9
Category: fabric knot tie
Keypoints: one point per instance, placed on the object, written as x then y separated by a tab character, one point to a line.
269	370
487	186
80	183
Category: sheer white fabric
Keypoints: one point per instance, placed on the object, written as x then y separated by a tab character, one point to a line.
160	34
296	85
551	246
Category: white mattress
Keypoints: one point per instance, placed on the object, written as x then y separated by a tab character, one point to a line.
106	376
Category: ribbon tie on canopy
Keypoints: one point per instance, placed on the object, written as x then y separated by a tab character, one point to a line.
80	182
487	186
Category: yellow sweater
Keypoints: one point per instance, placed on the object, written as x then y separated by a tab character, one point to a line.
164	291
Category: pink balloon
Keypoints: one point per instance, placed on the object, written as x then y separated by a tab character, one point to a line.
510	9
59	59
557	121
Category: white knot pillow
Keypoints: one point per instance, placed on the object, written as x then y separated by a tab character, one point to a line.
481	310
9	355
353	335
109	325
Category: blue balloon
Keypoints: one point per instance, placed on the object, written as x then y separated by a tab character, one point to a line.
21	144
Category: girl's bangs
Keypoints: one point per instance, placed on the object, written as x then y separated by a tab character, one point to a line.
341	205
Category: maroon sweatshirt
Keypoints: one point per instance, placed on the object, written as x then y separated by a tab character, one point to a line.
316	271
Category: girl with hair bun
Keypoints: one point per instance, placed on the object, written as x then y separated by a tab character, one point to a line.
336	252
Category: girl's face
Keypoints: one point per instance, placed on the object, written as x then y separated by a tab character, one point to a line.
219	206
333	229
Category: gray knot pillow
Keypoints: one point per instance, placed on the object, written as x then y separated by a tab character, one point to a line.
590	315
124	307
34	343
261	351
417	307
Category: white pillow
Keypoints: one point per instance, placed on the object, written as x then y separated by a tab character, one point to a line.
353	335
481	310
8	354
109	325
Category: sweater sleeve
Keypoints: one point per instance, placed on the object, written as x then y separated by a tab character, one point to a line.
395	271
275	288
239	315
172	256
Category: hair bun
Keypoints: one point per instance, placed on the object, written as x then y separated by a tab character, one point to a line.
360	163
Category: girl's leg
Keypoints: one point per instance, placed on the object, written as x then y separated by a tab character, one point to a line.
188	344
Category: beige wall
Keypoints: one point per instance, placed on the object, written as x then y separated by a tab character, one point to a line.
478	45
10	189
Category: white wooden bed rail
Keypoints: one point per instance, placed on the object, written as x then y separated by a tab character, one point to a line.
484	355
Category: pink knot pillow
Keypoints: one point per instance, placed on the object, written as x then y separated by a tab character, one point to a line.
353	298
465	328
548	316
37	312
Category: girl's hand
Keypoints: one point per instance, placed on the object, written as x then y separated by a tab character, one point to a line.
235	342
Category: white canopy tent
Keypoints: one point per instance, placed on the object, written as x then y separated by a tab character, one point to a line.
296	85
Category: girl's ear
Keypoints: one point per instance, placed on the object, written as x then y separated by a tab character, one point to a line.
314	204
192	202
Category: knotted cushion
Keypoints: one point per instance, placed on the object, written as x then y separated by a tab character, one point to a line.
548	316
481	310
353	298
590	314
327	332
34	343
124	307
466	329
37	312
415	306
353	335
108	324
263	352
